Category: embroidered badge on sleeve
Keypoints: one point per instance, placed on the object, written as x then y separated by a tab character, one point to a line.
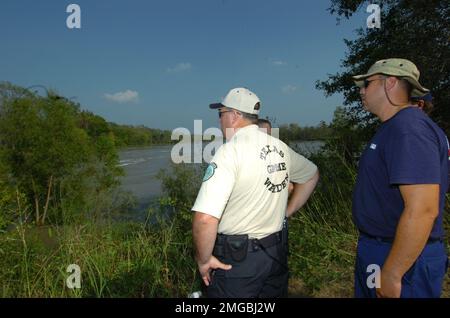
209	171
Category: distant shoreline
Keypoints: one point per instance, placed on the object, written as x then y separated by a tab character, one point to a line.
142	146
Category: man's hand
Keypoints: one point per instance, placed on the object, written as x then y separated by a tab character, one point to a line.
204	232
390	285
212	263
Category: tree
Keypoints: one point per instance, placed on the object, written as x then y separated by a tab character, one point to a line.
58	157
94	125
416	30
41	144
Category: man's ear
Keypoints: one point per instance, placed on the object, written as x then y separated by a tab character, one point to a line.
391	82
236	117
421	104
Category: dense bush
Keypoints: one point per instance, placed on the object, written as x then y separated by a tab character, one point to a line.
50	159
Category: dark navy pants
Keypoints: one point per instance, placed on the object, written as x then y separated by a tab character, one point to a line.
263	274
423	280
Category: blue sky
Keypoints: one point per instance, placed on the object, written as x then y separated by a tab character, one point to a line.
160	63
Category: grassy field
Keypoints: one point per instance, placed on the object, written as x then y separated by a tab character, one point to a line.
120	259
116	260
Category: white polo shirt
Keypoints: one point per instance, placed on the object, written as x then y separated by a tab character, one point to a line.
246	183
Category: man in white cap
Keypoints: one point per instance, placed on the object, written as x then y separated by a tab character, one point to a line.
399	196
242	203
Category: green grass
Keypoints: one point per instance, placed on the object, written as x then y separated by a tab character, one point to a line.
141	260
116	260
322	237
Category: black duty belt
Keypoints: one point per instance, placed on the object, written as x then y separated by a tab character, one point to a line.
391	240
254	244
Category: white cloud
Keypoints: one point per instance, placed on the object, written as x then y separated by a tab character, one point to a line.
289	89
180	67
123	97
277	62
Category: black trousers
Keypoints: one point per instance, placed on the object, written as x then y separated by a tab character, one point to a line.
262	274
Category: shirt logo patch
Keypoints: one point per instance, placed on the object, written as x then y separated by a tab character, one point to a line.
274	168
373	146
209	171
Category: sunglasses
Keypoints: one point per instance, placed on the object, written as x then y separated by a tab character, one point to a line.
367	82
226	111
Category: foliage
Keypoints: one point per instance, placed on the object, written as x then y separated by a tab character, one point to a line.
11	200
126	135
415	30
156	259
181	184
293	132
46	153
322	236
348	139
116	260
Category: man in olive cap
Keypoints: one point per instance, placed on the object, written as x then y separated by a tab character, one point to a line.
399	196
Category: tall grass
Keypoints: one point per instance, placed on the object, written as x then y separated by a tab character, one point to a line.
116	260
322	237
155	258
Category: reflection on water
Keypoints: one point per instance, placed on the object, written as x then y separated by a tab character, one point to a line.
141	165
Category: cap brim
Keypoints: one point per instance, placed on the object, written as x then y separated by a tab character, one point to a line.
359	79
418	90
216	106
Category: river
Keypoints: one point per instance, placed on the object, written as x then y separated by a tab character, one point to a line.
141	165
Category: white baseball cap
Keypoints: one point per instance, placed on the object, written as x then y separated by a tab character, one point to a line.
241	99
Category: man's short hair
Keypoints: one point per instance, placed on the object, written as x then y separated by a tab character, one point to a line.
406	86
250	117
263	121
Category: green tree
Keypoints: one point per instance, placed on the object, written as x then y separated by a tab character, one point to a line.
41	145
416	30
348	139
125	135
59	157
94	125
102	137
